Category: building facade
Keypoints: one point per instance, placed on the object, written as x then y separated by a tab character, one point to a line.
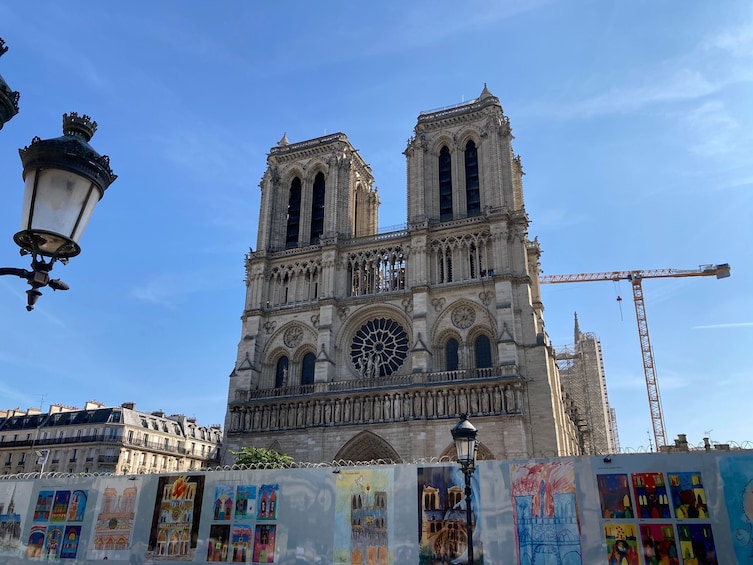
584	382
97	438
363	345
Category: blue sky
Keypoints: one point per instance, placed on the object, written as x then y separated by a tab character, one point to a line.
633	120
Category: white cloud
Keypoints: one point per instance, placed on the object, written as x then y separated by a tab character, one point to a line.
724	326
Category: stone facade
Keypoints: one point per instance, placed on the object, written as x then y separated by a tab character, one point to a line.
363	345
101	439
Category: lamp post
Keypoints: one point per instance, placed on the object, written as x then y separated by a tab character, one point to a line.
64	179
464	435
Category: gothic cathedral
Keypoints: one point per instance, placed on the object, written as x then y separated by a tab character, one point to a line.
358	345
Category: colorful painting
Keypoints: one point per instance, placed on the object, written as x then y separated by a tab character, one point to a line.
35	547
44	505
442	524
268	502
241	543
70	542
77	505
245	497
175	522
52	542
697	544
113	525
14	503
688	496
622	544
363	517
217	546
264	543
658	544
737	477
60	506
222	508
651	495
614	494
545	512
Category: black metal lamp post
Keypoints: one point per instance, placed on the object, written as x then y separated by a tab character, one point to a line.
464	435
65	178
8	97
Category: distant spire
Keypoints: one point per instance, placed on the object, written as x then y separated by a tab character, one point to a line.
485	93
284	141
577	329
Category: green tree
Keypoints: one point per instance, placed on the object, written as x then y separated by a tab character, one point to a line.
262	457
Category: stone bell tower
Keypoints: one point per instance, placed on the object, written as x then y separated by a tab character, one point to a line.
363	345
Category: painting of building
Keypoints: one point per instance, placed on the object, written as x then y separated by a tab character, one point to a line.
545	512
443	533
176	518
362	517
113	527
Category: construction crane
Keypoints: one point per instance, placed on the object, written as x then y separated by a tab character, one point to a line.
635	277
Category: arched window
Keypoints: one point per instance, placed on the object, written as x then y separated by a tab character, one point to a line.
483	350
472	195
281	372
317	209
451	355
445	184
307	369
294	214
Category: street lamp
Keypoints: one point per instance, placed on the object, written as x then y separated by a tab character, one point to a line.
64	179
464	435
8	97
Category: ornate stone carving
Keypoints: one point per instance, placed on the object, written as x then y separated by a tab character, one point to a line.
270	326
293	336
379	348
407	303
486	297
315	320
438	304
463	317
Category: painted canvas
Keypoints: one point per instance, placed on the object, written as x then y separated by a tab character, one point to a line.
245	500
363	517
219	542
268	501
223	506
614	495
264	543
175	522
622	543
737	477
545	512
697	544
14	504
688	496
241	543
442	524
651	495
658	544
115	514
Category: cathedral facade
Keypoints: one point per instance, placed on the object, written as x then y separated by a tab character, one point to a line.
362	345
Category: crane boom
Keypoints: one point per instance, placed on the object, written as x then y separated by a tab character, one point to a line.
721	271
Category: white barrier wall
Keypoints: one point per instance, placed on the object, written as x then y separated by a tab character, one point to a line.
685	509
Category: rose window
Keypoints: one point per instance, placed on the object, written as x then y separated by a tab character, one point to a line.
379	348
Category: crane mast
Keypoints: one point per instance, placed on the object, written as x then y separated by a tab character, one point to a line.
635	277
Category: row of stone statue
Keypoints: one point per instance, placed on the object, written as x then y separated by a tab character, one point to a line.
394	406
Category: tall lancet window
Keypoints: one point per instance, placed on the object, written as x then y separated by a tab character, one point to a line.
445	184
483	350
294	214
472	194
281	372
307	369
317	209
451	355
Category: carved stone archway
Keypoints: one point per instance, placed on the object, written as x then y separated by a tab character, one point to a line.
367	446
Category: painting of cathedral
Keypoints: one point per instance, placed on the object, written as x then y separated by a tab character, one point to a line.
442	527
223	502
545	513
651	495
14	501
175	523
363	517
113	526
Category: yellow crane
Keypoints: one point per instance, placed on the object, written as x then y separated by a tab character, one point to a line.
635	277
